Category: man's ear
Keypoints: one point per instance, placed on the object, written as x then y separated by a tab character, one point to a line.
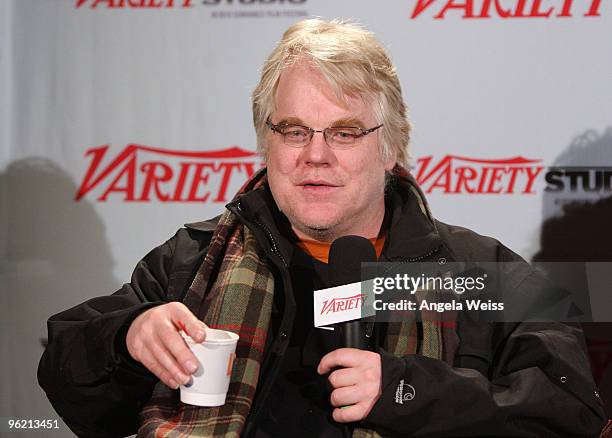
389	165
264	153
391	162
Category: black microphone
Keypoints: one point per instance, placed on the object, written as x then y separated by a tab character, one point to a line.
345	258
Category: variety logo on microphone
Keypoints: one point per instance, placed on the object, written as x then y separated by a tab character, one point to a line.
339	304
342	303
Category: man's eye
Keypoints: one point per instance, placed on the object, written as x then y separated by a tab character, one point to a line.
294	133
345	134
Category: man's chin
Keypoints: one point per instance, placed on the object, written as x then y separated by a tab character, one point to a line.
315	229
320	225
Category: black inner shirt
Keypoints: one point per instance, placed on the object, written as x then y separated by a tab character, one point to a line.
298	405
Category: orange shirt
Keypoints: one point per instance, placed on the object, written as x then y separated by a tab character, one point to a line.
320	250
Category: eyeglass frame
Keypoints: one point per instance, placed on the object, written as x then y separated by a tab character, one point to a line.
275	128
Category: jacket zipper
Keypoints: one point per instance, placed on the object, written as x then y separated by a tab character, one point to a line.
424	256
273	244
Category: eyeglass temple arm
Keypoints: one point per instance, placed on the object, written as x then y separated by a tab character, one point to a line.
367	131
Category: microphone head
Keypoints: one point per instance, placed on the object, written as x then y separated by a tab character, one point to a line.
345	258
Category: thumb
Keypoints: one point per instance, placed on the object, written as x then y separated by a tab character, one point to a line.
189	323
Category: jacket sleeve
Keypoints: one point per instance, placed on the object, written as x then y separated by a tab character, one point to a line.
86	371
538	384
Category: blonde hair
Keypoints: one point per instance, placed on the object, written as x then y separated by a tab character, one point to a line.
354	63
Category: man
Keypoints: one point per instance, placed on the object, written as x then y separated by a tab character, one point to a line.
332	127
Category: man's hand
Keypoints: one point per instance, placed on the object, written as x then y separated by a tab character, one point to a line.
357	383
154	340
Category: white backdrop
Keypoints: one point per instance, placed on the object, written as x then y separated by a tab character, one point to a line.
78	75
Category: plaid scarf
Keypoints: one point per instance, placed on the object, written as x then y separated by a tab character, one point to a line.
233	290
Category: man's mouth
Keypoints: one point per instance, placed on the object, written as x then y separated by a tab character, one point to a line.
317	183
317	186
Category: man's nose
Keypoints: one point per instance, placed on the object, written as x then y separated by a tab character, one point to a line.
317	152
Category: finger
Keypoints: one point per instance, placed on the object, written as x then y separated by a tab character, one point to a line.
176	346
349	414
342	357
153	365
345	396
183	318
168	362
344	377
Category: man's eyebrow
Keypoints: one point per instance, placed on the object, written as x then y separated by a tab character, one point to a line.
291	121
348	122
344	122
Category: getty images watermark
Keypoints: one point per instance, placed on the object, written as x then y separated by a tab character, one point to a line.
493	292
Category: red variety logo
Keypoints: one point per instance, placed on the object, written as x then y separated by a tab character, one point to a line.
138	174
340	304
156	4
93	4
506	8
143	174
454	174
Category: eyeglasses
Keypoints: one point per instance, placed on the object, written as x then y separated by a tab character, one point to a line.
298	136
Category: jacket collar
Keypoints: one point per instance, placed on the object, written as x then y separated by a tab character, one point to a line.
412	232
205	226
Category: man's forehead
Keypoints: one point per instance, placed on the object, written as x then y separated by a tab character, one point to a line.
303	89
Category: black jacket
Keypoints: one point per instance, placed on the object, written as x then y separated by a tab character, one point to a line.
521	379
